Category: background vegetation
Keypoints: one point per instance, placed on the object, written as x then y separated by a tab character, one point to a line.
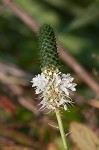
76	24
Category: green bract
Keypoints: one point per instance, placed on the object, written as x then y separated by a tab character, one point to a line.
48	48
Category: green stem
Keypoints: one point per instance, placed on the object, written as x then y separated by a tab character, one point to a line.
61	129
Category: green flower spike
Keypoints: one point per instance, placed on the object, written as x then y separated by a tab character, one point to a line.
48	48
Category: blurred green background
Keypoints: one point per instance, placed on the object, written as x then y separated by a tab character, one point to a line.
76	24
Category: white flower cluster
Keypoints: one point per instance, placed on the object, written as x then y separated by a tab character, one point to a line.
54	89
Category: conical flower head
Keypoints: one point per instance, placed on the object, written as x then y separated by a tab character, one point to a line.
53	86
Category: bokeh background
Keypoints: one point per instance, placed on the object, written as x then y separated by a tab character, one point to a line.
76	24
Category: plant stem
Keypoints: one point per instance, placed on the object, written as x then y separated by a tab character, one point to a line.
61	129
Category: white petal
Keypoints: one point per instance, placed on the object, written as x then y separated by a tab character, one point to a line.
71	79
38	91
61	101
65	90
69	85
73	88
65	107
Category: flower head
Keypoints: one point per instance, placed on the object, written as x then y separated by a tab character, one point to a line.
54	89
53	86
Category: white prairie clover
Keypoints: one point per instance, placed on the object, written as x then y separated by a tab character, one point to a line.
53	86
